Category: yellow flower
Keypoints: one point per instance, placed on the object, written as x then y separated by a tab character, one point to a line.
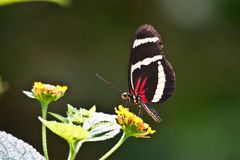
47	92
132	124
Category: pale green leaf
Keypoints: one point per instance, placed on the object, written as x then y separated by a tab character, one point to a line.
69	132
101	127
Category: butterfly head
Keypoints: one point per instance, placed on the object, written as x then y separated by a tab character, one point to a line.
130	97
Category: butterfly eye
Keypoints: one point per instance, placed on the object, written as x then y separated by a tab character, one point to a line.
125	95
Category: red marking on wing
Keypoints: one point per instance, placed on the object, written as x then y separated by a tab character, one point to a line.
142	91
137	86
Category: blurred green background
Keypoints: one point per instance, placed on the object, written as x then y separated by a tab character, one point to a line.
48	43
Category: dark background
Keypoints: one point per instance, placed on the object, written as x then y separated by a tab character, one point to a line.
48	43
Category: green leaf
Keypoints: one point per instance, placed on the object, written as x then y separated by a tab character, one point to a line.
69	132
59	117
13	148
60	2
29	94
92	110
71	110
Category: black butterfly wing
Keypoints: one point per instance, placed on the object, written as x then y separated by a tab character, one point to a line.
150	75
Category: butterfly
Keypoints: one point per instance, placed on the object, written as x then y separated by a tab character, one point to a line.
151	79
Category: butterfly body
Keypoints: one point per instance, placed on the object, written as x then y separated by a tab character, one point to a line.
151	79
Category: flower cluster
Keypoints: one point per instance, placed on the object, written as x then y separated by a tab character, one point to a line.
79	116
47	92
132	124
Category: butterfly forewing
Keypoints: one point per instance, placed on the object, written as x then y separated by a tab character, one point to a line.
150	76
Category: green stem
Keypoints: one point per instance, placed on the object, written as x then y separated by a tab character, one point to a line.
119	143
44	135
73	149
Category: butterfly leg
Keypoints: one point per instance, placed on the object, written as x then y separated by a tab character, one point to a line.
140	112
125	103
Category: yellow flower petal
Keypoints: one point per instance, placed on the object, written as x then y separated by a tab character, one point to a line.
48	92
132	124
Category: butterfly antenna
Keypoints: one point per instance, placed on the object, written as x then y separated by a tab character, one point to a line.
109	83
